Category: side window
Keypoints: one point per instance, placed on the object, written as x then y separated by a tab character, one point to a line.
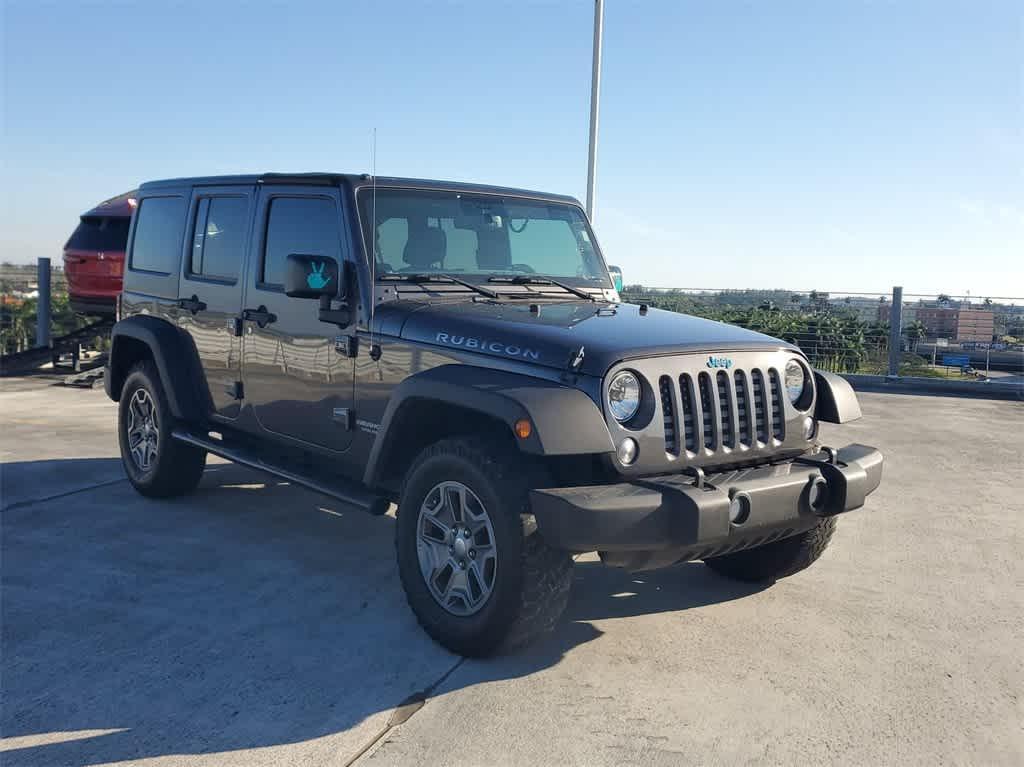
308	225
158	230
218	238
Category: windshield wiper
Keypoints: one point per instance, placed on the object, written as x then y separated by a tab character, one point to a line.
438	277
526	279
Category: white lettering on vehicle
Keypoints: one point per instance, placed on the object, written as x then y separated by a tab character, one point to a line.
497	347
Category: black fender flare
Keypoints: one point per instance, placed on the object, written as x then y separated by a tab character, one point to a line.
176	359
837	402
565	420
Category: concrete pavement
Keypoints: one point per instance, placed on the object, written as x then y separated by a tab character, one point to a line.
254	623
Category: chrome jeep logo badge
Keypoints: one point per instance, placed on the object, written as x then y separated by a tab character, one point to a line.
719	362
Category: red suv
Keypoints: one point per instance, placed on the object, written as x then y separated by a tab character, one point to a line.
94	255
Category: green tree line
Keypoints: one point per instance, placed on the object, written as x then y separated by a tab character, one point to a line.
833	339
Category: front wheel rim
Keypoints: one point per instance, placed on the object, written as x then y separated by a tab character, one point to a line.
457	552
143	431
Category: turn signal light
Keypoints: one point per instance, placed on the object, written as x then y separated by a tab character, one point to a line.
523	428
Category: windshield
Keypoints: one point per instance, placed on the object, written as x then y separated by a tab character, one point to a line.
480	236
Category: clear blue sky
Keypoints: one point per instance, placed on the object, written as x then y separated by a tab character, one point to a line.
831	145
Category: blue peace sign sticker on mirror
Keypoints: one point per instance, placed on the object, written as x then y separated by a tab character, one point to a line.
316	279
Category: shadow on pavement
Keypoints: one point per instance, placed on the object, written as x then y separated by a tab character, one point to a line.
248	615
34	481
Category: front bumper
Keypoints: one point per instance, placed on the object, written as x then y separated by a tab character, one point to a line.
688	517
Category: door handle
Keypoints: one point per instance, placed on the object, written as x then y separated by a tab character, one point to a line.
193	304
260	316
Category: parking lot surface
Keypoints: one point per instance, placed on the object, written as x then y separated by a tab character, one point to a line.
255	623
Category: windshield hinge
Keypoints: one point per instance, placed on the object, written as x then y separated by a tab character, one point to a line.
347	346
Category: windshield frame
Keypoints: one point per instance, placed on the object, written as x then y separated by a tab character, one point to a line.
364	195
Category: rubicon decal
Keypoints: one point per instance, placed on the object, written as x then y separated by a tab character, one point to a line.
719	362
483	345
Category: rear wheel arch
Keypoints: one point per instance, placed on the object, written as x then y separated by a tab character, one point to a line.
125	353
173	355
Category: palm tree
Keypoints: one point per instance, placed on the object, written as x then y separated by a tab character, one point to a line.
914	332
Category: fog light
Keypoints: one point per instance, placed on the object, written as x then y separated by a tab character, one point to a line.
627	451
739	509
810	428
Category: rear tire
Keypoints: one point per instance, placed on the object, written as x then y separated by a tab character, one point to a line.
529	584
776	560
157	465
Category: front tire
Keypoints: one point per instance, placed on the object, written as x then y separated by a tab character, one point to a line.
476	574
776	560
157	465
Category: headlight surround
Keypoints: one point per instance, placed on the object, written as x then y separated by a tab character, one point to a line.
624	395
797	383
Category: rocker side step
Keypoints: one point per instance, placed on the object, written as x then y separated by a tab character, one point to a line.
338	488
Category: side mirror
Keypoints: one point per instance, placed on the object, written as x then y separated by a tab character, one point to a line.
311	277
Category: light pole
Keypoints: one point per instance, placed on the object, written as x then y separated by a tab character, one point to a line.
595	94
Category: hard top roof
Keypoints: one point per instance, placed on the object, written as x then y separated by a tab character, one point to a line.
356	181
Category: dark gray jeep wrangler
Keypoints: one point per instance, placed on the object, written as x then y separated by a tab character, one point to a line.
461	351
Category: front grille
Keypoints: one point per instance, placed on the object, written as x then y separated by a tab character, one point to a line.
706	406
668	412
742	409
779	424
723	412
760	414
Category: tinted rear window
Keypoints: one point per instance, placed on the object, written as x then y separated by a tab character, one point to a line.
218	240
158	230
100	233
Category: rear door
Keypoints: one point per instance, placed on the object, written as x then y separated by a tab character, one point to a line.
301	390
210	288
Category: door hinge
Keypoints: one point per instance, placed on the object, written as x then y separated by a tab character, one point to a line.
347	346
345	416
234	389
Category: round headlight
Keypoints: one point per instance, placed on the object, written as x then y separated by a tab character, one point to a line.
623	396
796	381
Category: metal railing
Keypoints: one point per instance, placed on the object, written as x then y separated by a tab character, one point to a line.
891	333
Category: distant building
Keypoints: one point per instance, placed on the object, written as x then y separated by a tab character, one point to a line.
952	322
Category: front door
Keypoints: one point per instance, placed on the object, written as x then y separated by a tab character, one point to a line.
301	389
210	288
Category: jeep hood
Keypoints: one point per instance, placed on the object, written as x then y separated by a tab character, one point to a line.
607	332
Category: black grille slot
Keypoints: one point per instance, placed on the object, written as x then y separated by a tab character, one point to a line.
778	418
760	417
668	415
725	409
742	407
706	404
688	428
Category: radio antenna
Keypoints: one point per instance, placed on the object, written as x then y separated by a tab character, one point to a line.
373	238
